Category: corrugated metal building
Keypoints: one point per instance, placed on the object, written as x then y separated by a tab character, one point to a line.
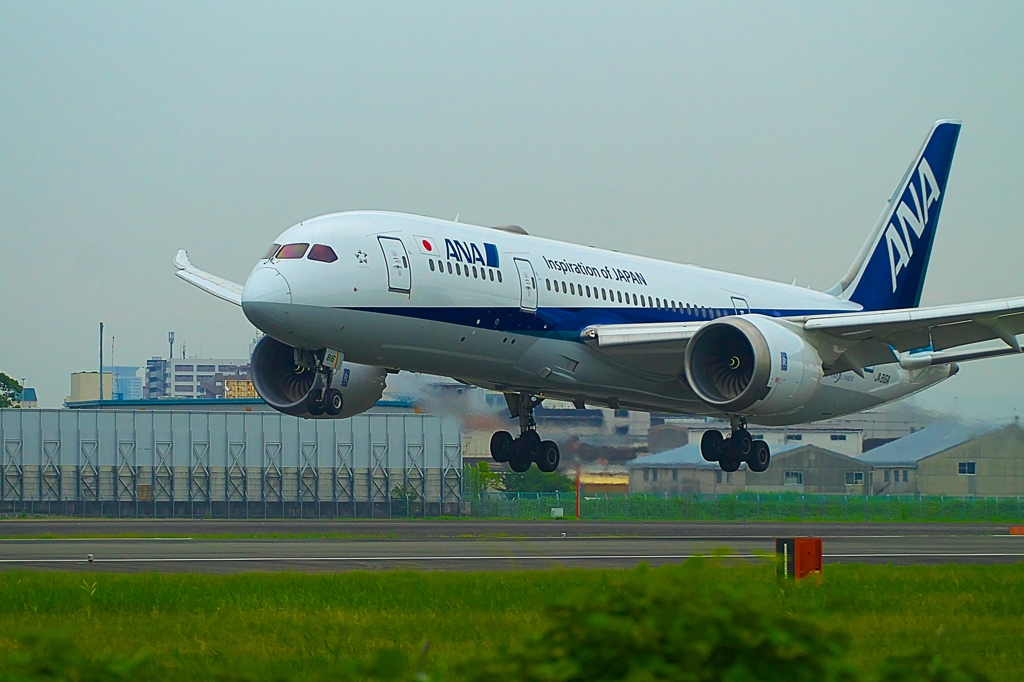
952	458
220	464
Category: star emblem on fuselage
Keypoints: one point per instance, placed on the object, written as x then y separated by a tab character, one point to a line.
361	257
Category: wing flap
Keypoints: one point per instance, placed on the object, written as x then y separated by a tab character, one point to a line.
609	335
212	284
859	339
655	350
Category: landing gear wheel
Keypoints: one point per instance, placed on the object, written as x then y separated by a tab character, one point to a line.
760	457
742	444
711	445
333	402
549	457
315	403
729	461
502	446
519	463
529	445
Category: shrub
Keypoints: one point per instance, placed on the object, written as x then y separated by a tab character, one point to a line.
674	623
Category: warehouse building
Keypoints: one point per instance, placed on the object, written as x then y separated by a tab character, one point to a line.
227	464
794	468
682	471
952	458
813	469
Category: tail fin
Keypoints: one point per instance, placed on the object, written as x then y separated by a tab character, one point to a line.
889	271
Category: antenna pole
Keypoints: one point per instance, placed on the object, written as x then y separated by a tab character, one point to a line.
101	362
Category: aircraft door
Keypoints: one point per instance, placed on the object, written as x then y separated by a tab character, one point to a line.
397	260
527	285
740	305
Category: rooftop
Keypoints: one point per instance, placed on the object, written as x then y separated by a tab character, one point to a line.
928	441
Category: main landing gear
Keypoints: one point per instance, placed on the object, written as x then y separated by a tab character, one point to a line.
528	448
738	447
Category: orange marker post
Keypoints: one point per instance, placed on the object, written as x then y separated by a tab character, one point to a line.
800	557
577	491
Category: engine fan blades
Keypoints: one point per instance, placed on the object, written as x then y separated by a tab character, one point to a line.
730	381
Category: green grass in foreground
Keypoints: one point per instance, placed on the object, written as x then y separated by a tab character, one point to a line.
282	625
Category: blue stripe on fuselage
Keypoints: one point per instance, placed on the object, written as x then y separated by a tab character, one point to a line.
558	320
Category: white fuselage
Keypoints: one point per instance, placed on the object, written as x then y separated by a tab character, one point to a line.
505	311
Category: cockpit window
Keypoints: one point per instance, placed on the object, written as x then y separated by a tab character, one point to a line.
292	251
272	251
324	253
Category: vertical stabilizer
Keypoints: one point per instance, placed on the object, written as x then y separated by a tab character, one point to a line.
889	271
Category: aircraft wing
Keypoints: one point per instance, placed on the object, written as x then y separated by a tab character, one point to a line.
655	348
211	284
860	340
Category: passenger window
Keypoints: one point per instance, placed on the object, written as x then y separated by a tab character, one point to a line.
548	283
474	272
563	288
292	251
499	276
272	251
431	265
491	273
634	299
465	268
458	269
604	296
449	268
324	254
572	288
619	294
657	303
588	292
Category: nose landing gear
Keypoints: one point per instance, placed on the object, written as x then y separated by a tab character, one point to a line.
322	397
528	448
737	448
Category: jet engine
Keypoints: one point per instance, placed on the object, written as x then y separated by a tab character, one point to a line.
285	379
752	365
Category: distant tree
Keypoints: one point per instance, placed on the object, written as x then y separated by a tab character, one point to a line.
407	492
536	481
9	391
480	479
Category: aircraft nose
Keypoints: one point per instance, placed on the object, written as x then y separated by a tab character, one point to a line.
266	285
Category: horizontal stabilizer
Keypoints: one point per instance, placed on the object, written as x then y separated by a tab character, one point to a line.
212	284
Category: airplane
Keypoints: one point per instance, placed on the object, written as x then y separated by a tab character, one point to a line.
346	298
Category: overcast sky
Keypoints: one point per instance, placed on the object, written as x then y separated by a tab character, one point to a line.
757	138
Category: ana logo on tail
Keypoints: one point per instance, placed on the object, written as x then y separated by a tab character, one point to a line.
906	219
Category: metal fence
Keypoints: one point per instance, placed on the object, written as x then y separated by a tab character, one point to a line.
749	507
227	465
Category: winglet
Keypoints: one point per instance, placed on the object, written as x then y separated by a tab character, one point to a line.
212	284
181	260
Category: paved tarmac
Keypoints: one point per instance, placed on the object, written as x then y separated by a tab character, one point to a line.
471	545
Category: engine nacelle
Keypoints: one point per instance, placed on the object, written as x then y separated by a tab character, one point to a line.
752	365
285	385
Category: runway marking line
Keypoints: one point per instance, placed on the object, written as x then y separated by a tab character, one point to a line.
569	557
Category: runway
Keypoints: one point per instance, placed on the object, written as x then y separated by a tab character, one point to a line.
179	546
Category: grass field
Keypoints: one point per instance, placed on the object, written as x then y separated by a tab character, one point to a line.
267	626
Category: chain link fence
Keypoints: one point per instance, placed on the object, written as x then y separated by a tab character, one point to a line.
746	507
